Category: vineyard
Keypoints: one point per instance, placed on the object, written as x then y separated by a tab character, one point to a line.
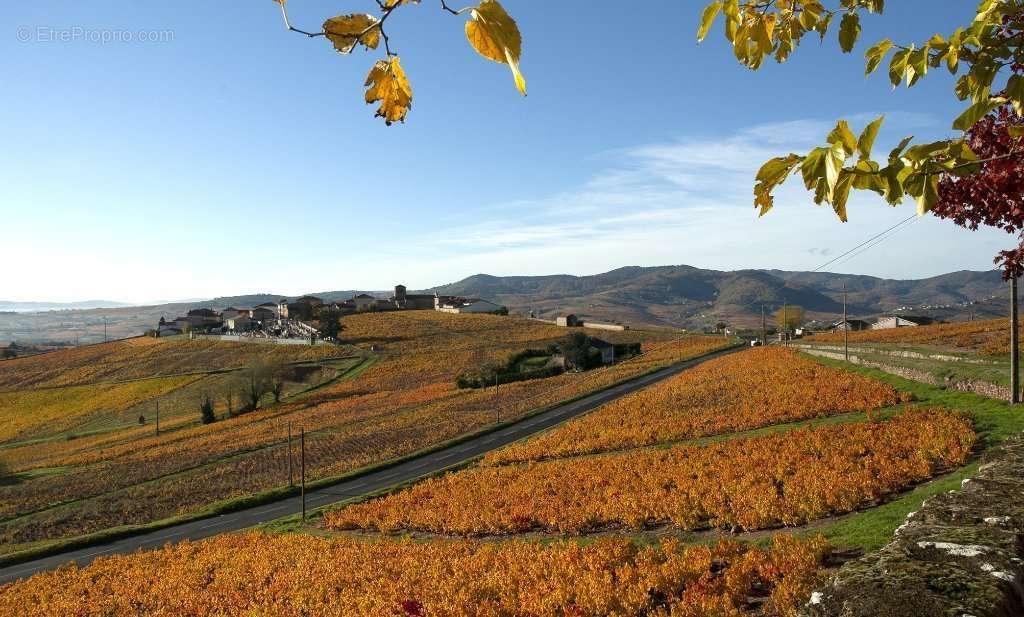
305	575
757	388
990	337
788	478
385	403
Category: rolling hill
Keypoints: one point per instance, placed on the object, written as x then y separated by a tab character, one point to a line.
694	297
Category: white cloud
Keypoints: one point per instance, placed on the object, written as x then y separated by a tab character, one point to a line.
689	201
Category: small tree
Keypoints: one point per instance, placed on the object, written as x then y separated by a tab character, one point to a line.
277	379
330	323
256	382
576	349
206	408
790	318
229	400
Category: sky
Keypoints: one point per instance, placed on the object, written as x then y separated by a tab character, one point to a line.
160	151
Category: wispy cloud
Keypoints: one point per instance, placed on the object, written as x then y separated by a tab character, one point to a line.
689	200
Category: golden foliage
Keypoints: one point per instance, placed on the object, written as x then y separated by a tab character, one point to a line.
991	337
739	392
258	574
786	478
495	36
403	402
388	85
346	31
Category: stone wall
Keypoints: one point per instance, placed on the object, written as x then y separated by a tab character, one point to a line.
961	555
977	386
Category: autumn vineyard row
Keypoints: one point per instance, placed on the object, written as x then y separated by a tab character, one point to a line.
787	478
756	388
292	575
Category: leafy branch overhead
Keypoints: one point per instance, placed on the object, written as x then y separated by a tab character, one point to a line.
985	55
489	29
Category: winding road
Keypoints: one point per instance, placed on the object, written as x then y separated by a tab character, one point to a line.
353	487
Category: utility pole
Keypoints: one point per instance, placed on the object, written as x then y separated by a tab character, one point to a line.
764	328
497	401
785	323
291	475
1014	345
302	446
846	328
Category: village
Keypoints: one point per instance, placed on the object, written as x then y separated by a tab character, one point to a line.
288	321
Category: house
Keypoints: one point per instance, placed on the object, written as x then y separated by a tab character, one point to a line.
606	349
411	302
239	323
853	325
303	308
168	328
901	321
568	321
203	317
262	314
230	312
364	302
468	305
270	306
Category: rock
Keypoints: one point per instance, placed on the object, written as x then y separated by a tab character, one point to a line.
960	555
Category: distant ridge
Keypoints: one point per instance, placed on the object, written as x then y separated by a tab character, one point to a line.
688	296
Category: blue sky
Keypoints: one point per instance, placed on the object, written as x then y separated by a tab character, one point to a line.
230	156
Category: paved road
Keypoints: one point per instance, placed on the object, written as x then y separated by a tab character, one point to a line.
355	487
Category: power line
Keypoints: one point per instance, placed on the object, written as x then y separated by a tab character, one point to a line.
912	217
880	240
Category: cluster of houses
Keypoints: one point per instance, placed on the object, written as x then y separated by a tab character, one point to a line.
288	315
883	323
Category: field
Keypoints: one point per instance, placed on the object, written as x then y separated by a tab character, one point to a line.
622	511
990	337
79	461
760	387
255	574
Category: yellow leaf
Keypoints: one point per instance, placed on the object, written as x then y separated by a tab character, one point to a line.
387	83
345	30
494	35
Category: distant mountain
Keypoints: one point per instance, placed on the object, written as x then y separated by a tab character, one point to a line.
20	307
694	297
251	300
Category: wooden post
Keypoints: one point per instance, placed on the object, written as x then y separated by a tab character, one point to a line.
302	442
1014	345
291	474
497	401
158	418
764	328
785	323
846	328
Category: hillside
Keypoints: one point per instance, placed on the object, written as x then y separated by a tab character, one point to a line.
695	297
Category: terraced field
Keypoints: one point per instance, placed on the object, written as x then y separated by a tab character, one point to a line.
628	522
82	463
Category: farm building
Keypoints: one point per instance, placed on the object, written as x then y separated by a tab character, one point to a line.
568	321
853	325
900	321
468	305
606	349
